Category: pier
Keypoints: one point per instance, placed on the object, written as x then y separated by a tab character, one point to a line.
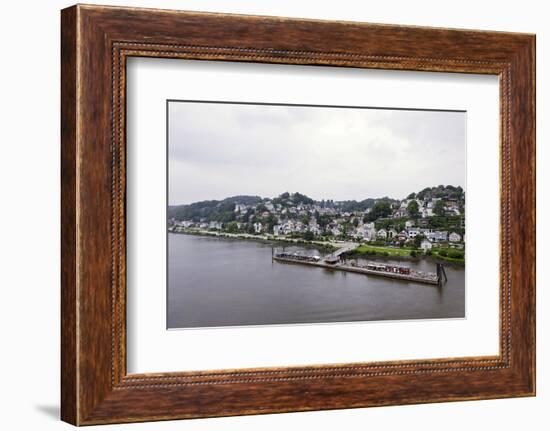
333	262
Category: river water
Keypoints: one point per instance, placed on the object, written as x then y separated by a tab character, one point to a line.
229	282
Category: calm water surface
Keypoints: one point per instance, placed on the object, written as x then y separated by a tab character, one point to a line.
225	282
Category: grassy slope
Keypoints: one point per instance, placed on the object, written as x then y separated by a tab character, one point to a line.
366	250
370	249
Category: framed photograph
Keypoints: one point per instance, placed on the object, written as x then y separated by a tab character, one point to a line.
265	214
233	227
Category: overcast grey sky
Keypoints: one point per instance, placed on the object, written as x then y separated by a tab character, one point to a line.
221	150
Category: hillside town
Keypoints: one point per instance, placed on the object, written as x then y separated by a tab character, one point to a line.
433	217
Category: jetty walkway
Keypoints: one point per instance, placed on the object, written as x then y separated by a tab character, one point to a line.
333	262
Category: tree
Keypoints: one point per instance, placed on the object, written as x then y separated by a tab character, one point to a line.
345	229
249	216
299	198
308	236
439	208
379	210
225	217
424	193
412	195
270	221
412	209
418	240
323	220
232	227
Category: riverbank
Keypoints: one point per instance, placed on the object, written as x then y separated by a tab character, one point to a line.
449	259
402	253
420	258
268	239
359	251
372	250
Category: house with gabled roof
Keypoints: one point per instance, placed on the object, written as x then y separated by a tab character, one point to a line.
454	237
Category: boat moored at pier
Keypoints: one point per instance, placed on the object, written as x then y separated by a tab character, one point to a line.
398	272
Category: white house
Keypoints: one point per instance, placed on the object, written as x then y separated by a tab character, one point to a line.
401	212
359	232
425	245
240	208
277	230
412	232
382	234
454	237
365	231
409	223
392	233
257	227
288	227
403	236
316	230
370	234
427	212
215	225
439	236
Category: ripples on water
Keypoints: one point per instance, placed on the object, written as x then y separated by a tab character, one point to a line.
225	282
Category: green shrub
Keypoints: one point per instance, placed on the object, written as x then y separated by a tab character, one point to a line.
455	254
413	253
443	253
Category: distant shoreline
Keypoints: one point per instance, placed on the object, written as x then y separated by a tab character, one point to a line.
324	245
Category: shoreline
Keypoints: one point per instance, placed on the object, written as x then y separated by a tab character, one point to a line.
418	258
382	252
268	239
325	245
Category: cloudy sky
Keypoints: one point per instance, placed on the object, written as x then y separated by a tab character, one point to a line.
221	150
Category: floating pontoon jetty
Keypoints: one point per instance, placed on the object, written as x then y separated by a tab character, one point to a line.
333	262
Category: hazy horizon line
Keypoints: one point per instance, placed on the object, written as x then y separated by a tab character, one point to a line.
305	194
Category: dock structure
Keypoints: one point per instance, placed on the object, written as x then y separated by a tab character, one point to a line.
441	274
333	262
344	249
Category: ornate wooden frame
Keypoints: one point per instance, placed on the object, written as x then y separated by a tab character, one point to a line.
96	41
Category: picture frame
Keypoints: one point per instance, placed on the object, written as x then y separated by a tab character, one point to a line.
96	42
